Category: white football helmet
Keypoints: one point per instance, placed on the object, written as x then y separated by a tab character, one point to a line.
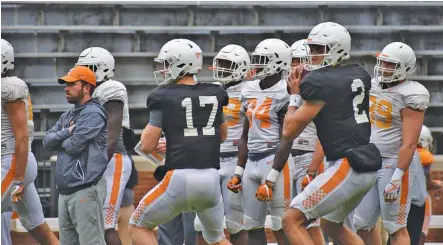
300	50
231	64
425	141
178	57
270	57
99	60
402	56
7	56
336	40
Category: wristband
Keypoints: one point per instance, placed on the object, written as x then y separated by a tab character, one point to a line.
295	100
398	174
273	175
239	171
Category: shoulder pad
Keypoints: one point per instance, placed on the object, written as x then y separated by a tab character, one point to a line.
235	91
13	88
414	95
374	83
311	89
225	97
281	90
249	88
222	95
111	90
155	99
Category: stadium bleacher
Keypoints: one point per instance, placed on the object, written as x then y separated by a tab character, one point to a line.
48	37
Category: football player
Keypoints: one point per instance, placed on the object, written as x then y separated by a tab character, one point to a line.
265	101
425	145
304	145
397	107
114	98
191	116
19	166
230	69
336	98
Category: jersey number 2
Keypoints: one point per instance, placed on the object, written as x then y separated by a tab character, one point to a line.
359	114
190	130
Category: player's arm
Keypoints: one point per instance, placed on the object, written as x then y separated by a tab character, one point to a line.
284	146
235	183
264	191
52	141
411	127
223	130
314	167
152	132
297	121
412	121
317	158
88	126
243	145
115	118
16	112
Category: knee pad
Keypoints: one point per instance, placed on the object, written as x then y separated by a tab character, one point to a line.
361	224
251	224
233	227
276	223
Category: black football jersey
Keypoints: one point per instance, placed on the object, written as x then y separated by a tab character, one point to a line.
343	123
192	115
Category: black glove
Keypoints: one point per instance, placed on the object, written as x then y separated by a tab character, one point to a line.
160	172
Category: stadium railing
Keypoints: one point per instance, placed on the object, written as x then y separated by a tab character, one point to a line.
356	53
221	29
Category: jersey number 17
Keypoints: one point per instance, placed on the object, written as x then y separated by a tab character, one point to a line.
209	129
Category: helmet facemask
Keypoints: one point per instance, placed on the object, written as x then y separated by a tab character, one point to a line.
226	71
319	50
99	69
388	70
261	65
164	73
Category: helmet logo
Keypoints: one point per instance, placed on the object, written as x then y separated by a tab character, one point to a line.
197	55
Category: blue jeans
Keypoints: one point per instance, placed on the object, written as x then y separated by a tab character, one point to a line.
178	231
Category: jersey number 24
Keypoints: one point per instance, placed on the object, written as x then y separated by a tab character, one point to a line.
209	129
359	114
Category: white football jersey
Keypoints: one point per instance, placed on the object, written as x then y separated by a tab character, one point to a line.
114	90
234	117
307	139
385	107
13	88
262	107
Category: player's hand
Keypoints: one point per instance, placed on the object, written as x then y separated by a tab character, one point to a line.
235	184
17	190
264	191
71	128
308	178
294	79
392	190
161	147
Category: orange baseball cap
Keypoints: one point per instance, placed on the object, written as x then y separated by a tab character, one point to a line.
79	73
